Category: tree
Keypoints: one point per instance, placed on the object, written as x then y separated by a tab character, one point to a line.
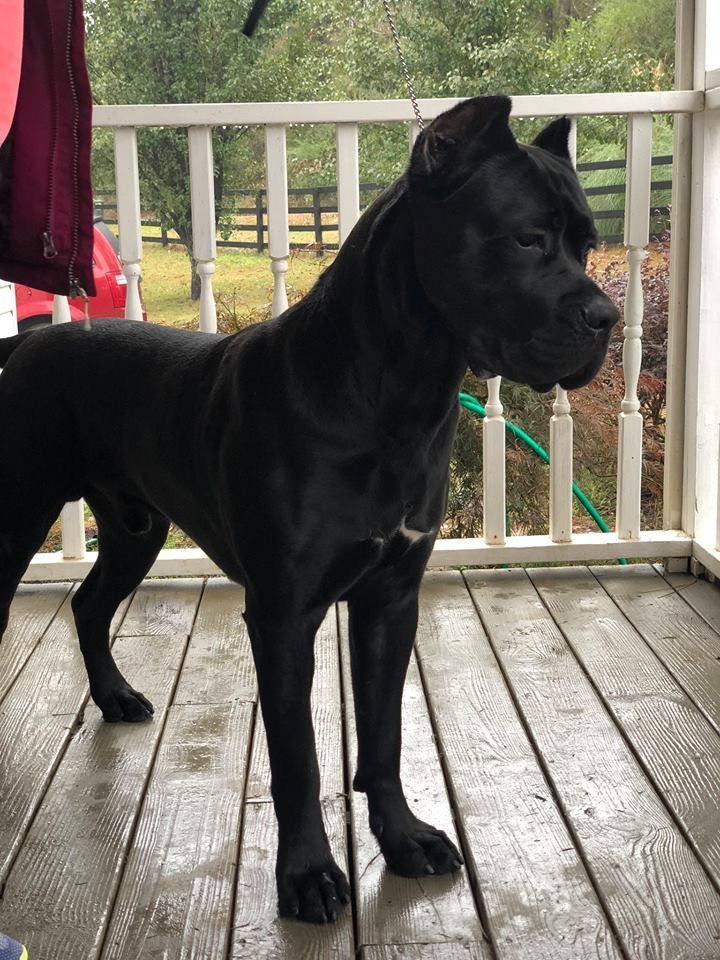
178	51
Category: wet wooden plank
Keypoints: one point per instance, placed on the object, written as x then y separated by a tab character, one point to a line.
57	897
36	720
176	895
163	607
259	932
392	909
702	595
427	951
538	900
681	638
673	740
218	667
31	612
661	900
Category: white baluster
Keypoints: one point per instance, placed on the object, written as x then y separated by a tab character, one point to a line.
277	212
561	437
127	181
494	465
61	309
202	203
72	517
348	178
630	427
572	140
561	469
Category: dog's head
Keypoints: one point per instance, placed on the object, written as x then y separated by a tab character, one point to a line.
502	233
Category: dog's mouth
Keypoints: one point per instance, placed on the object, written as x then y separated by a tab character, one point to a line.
573	382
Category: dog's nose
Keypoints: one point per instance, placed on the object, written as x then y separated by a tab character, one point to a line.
599	313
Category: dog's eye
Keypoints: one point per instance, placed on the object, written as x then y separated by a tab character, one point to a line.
531	240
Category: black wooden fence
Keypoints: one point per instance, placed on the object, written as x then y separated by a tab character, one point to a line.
314	212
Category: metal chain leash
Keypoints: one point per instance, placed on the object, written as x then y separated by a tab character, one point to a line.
403	63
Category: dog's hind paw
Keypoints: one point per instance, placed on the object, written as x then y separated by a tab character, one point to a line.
316	894
125	704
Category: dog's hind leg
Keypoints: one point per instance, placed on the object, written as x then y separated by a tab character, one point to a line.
383	613
23	528
125	554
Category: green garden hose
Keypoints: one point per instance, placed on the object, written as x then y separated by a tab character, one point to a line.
470	403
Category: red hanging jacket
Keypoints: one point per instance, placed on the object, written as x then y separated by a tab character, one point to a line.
46	211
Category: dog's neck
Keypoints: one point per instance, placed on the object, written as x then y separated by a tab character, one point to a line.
376	339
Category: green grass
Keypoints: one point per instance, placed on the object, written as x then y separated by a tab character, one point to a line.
166	281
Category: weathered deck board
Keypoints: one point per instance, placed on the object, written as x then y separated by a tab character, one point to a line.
177	892
686	644
701	595
258	932
677	746
127	835
163	607
176	895
59	892
536	893
218	667
31	613
426	951
392	909
37	718
633	848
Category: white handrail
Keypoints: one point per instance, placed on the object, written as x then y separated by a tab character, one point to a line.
365	111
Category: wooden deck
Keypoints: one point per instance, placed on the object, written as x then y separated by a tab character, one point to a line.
564	724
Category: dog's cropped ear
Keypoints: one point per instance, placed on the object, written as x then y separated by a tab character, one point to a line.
555	138
449	150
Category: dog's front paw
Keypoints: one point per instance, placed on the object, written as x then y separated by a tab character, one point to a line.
416	849
123	703
312	890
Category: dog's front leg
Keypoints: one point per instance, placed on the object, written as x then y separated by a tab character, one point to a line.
383	621
310	884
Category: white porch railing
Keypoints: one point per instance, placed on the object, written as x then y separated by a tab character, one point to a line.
692	491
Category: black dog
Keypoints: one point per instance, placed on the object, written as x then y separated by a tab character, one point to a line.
308	456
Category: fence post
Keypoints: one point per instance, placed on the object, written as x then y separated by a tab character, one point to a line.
259	222
317	221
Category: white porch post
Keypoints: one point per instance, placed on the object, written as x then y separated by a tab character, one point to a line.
702	396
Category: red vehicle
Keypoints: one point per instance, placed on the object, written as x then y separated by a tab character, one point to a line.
34	307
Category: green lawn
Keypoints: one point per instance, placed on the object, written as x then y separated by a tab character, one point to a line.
247	275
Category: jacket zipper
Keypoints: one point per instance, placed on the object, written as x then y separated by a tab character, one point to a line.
49	250
74	286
